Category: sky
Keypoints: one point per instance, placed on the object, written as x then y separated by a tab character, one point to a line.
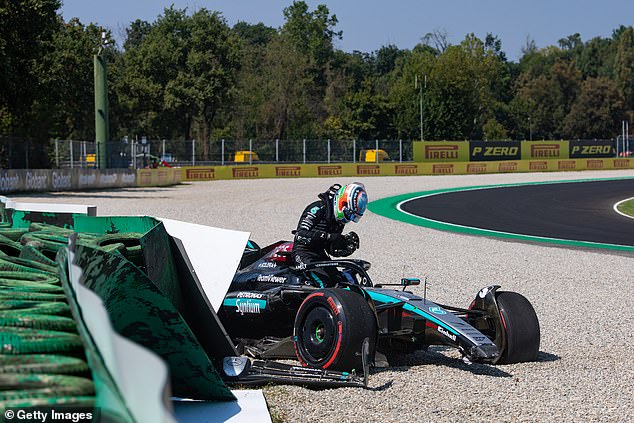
369	24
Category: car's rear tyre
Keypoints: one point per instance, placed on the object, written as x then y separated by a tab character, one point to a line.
330	327
518	320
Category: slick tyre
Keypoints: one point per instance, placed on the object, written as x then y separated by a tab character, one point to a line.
521	335
330	327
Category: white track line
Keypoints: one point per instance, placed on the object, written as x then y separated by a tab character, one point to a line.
620	212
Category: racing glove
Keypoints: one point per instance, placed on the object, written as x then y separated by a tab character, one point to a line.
352	241
345	245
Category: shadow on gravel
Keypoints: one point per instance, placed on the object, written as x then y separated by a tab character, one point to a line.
543	357
384	387
404	362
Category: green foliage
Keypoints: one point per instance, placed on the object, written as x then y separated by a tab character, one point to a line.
597	110
188	75
26	31
176	74
494	130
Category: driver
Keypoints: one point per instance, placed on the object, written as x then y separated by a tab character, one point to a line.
319	230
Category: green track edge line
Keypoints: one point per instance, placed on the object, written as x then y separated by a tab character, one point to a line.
388	207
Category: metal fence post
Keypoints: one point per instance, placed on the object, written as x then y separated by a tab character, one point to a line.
277	141
250	152
400	151
71	154
57	153
83	154
354	151
304	143
193	152
222	152
328	150
376	152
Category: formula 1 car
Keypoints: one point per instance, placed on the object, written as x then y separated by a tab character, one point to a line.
277	310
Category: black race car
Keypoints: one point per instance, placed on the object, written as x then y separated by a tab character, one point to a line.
276	310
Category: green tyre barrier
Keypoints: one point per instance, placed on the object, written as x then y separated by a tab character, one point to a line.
27	341
133	251
13	234
30	281
37	321
30	295
47	242
10	247
15	386
22	265
30	307
42	363
35	227
31	253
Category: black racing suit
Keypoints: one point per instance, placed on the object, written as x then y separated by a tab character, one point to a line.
317	233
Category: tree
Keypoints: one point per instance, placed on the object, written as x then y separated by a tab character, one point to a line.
597	111
368	115
311	32
255	35
26	32
494	130
624	65
178	75
66	76
546	100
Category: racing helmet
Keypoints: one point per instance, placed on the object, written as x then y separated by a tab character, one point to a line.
350	202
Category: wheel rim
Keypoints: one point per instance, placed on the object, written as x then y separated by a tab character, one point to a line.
318	335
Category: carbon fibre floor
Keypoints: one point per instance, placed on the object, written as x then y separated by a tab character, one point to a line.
581	211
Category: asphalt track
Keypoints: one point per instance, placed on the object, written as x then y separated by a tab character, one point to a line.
577	211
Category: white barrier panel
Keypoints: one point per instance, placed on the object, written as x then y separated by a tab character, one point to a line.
213	252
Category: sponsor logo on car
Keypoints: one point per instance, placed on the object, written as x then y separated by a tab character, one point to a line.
545	151
446	333
566	164
271	278
202	174
441	152
437	310
368	170
248	306
406	169
252	295
538	166
333	306
442	169
267	265
245	172
507	167
329	170
476	168
288	171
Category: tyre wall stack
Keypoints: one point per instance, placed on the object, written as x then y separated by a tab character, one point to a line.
53	347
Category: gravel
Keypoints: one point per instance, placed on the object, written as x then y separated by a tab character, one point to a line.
584	299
